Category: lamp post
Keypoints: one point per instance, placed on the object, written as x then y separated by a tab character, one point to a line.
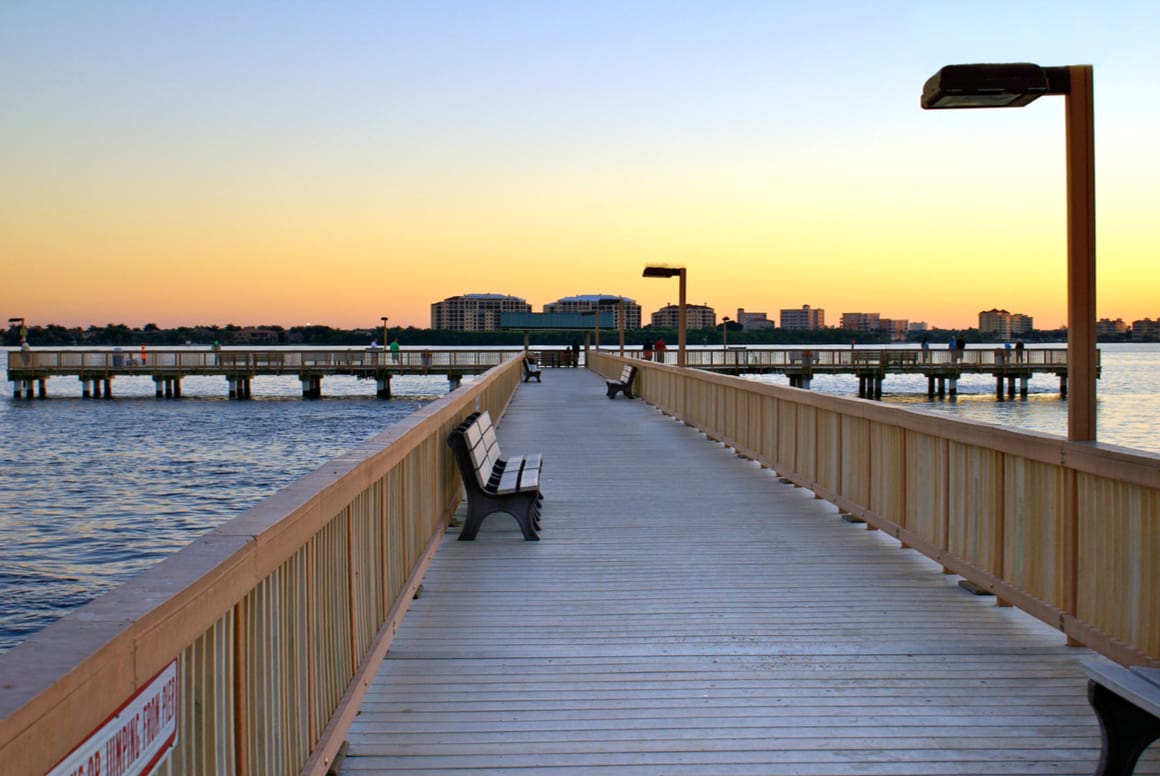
1012	86
659	271
725	333
384	319
621	325
23	330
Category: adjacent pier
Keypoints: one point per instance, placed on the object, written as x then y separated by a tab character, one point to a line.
29	371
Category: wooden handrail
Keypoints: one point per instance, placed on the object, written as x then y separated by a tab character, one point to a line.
1067	531
273	617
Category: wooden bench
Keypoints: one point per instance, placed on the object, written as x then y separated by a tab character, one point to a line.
531	370
1127	703
494	483
624	384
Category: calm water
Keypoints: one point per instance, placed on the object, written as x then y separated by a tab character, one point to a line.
94	491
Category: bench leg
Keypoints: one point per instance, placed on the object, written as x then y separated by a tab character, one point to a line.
524	507
1126	730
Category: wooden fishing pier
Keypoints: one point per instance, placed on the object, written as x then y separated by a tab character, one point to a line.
96	369
705	598
29	371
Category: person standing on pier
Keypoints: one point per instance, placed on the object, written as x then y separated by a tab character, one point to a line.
395	350
659	350
925	349
648	349
1019	351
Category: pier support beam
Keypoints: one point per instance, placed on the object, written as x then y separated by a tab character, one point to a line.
311	386
953	386
1023	386
239	386
454	381
383	387
108	381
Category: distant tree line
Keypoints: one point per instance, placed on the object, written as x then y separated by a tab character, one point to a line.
120	335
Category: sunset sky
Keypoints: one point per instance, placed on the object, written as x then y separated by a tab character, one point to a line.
331	162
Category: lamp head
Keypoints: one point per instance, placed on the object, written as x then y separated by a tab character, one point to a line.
1010	85
657	271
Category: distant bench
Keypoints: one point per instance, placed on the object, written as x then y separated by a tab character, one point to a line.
1127	703
531	370
624	384
494	483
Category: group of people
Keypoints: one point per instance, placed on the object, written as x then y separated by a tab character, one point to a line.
394	348
655	351
958	345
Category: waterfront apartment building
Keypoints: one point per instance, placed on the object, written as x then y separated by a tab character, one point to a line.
1004	325
586	303
861	321
753	321
1145	328
805	318
897	328
1105	327
475	312
697	316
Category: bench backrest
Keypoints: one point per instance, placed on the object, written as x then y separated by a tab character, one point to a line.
483	446
627	373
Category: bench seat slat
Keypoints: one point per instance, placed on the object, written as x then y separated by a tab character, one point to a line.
530	478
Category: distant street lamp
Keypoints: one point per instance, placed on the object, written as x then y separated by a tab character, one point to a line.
659	271
725	333
19	322
384	319
1014	85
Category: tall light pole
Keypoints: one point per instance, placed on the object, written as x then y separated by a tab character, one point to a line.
621	324
23	330
384	319
725	333
660	271
1012	86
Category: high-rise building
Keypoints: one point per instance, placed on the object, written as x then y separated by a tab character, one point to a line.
475	312
1021	324
586	303
861	321
753	321
1004	325
1145	328
995	323
897	328
697	316
805	318
1105	327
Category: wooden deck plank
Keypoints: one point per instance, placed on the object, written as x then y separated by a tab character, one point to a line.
685	612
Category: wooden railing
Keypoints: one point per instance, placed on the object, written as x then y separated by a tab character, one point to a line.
1067	531
130	361
275	618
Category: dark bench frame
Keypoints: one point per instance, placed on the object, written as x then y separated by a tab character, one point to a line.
493	483
531	370
624	384
1127	703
